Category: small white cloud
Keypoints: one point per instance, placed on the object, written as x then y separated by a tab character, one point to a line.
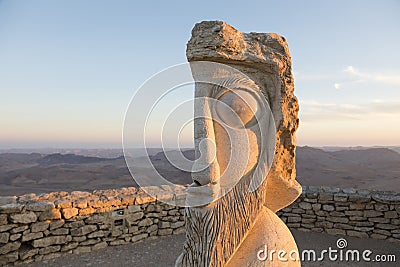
313	110
351	70
337	85
389	78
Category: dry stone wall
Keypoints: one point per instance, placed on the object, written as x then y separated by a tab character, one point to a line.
35	228
348	212
40	227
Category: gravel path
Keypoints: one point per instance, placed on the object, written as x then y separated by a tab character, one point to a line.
163	251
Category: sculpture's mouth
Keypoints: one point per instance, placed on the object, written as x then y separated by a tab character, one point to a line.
195	183
202	195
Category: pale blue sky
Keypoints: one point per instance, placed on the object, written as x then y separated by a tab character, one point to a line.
69	68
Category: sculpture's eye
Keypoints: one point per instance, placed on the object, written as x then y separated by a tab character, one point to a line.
237	108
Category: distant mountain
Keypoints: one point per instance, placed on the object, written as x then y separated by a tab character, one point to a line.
173	155
340	148
162	162
374	157
395	148
71	159
93	152
37	173
11	161
373	168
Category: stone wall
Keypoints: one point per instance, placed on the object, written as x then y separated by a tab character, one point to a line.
39	227
35	228
350	212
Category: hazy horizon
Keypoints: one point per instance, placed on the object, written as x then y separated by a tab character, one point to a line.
104	147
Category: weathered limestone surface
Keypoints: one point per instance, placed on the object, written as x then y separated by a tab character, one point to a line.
265	58
273	241
252	174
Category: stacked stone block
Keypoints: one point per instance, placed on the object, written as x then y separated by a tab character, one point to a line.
41	227
347	212
35	228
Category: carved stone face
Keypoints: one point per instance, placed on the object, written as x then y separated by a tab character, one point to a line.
235	152
235	142
234	128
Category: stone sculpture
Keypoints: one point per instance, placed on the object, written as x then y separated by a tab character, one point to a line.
231	215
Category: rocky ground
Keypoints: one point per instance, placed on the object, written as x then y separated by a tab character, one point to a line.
163	251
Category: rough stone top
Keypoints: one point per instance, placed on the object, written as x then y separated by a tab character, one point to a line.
388	197
96	199
132	196
218	41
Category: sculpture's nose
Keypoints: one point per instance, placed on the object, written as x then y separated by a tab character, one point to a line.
205	169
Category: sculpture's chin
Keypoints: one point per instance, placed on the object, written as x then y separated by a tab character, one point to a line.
207	195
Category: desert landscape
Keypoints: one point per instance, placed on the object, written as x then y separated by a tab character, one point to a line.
305	95
48	170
